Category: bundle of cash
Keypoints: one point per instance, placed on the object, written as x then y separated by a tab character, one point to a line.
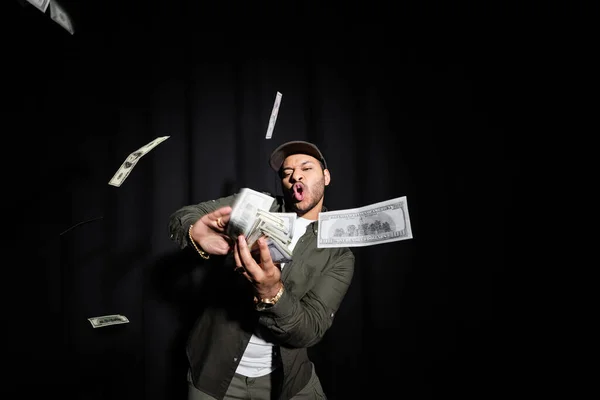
251	217
278	229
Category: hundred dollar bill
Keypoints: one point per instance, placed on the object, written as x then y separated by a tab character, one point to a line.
41	5
274	113
106	320
289	219
131	160
387	221
60	16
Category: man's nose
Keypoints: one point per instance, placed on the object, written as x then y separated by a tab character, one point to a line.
297	176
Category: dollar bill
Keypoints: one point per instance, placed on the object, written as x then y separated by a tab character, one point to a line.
124	170
273	118
132	159
288	222
268	231
41	5
60	16
384	222
106	320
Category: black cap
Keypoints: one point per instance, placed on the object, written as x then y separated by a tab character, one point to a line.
294	147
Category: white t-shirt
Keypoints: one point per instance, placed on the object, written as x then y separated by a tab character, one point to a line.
258	358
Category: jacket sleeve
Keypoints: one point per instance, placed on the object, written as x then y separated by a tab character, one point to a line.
180	220
302	322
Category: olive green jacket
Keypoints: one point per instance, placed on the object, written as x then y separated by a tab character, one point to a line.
315	283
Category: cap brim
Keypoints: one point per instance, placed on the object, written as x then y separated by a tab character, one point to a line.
279	155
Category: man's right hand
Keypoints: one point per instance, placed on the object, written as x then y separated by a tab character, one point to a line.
209	232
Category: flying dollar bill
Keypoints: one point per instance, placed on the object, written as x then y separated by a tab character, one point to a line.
273	118
106	320
60	16
384	222
131	160
41	5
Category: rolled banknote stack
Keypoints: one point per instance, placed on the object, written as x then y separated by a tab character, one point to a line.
278	229
251	217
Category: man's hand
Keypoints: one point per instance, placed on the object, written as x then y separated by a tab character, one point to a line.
209	232
264	275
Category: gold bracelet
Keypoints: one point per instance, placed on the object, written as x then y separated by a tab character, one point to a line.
202	253
272	300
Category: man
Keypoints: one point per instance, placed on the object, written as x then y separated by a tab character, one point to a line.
260	318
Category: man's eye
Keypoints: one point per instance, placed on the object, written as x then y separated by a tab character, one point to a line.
306	169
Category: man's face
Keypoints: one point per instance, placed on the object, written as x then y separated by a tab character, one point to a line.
303	181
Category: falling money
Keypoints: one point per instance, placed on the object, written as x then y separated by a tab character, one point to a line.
60	16
125	168
384	222
273	116
41	5
106	320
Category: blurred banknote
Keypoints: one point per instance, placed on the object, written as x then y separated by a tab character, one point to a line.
41	5
60	16
273	118
131	160
387	221
251	217
244	211
106	320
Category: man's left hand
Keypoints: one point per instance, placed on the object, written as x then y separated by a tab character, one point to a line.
264	275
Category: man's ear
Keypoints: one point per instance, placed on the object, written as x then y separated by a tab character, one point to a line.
327	177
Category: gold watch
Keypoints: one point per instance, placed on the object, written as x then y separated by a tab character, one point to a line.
263	304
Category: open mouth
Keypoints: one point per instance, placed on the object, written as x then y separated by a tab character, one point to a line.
298	191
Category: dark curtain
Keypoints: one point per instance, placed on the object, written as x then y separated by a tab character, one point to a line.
424	110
